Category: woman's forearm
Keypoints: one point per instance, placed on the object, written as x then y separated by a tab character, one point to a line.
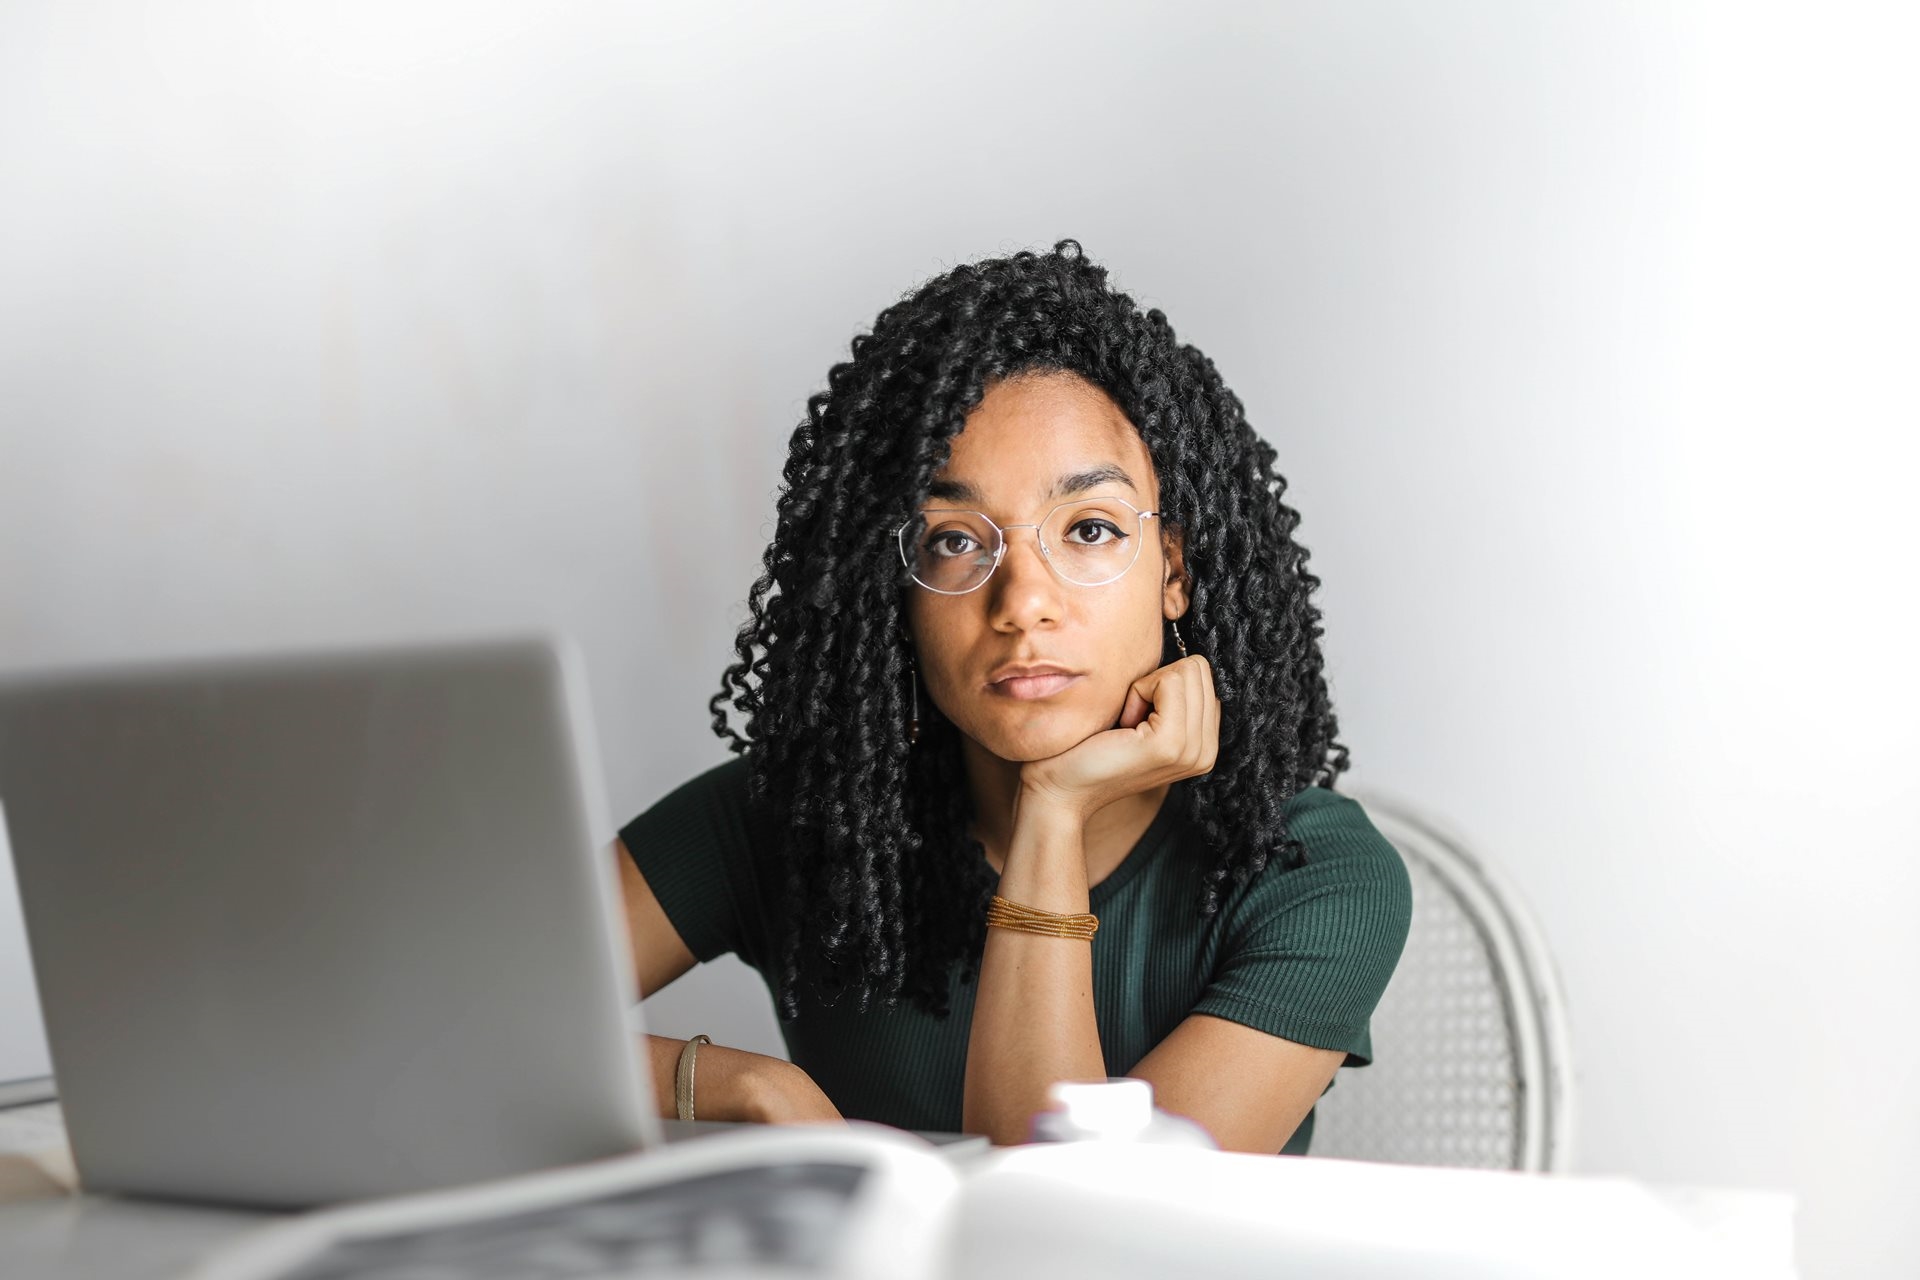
1033	1018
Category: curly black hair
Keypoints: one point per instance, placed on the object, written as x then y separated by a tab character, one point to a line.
886	889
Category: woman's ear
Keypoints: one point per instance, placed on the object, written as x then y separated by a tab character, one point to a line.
1174	595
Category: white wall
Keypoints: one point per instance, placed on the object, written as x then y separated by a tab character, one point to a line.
1585	333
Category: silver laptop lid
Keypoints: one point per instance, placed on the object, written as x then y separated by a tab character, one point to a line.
324	927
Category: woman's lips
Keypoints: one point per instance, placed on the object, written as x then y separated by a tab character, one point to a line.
1026	688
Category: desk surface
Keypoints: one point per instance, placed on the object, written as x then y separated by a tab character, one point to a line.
1046	1211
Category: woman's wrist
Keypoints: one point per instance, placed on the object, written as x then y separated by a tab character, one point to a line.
1046	860
728	1084
735	1084
1040	809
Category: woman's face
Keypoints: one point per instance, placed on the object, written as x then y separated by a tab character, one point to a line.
1033	443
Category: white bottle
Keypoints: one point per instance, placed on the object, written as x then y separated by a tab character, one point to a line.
1117	1109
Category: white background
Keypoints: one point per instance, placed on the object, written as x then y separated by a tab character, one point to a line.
1586	334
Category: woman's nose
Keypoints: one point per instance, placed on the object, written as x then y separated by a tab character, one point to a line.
1025	591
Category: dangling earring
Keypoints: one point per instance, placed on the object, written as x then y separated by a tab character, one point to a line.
1176	636
913	684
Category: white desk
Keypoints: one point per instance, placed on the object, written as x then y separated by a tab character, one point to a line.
1119	1212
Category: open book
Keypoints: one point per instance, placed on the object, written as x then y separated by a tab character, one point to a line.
865	1201
855	1201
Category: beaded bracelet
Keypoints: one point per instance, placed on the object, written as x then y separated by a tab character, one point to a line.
1002	914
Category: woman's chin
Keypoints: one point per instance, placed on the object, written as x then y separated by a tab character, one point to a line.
1041	737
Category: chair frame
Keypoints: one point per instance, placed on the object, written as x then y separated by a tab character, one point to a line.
1530	990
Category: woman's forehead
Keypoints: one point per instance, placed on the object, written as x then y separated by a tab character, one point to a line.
1044	439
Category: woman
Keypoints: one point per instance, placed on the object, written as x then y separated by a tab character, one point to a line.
1037	749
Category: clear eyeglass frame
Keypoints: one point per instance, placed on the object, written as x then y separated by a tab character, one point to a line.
1000	543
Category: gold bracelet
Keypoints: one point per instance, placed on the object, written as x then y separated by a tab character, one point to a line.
683	1076
1002	914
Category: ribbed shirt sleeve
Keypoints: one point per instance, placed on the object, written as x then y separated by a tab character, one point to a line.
691	848
1308	949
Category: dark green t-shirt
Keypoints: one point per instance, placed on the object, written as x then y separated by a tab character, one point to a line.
1299	952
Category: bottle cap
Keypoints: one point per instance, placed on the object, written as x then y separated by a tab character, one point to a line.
1117	1107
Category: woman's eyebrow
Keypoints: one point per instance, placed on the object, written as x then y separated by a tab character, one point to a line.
1081	481
953	491
1066	486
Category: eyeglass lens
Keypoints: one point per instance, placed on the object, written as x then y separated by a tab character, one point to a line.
1087	543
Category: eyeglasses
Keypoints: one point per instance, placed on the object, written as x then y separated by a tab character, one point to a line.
1088	543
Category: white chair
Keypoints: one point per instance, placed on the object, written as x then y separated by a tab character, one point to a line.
1472	1057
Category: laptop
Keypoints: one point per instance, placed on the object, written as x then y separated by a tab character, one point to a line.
324	927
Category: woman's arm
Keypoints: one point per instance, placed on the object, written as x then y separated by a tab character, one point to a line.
1033	1014
728	1084
659	954
1033	1020
1250	1090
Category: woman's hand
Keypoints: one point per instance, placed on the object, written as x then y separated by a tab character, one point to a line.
1169	729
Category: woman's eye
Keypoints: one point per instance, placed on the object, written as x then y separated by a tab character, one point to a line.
1093	533
950	544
